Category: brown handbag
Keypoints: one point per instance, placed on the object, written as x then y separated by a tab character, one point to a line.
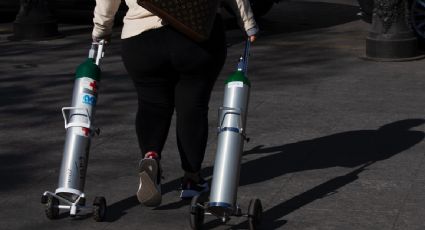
194	18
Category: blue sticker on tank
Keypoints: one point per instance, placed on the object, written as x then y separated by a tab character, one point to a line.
90	100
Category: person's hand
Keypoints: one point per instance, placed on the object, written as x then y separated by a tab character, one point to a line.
252	38
253	33
98	39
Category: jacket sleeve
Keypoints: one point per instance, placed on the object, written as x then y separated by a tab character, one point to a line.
104	14
243	11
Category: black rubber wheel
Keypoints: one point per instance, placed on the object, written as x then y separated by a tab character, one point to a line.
255	213
197	214
99	209
261	7
417	14
52	208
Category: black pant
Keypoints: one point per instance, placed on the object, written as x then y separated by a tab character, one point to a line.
170	71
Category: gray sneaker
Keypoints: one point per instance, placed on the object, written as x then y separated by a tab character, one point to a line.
149	192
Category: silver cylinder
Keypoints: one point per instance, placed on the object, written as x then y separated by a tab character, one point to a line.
78	135
231	136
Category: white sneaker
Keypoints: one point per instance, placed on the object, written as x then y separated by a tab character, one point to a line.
149	192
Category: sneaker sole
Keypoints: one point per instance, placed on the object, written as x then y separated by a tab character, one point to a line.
148	193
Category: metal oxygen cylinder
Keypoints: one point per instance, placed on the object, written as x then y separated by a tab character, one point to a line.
79	125
231	137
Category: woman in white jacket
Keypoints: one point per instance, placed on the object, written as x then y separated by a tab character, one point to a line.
170	72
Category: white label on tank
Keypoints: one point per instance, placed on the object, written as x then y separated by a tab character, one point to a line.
82	131
90	84
233	84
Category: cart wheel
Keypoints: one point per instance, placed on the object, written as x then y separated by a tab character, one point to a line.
255	213
196	214
99	209
418	17
52	209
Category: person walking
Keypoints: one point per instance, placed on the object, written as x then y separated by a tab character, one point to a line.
170	72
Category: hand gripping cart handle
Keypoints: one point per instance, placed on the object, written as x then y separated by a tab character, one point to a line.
231	137
79	126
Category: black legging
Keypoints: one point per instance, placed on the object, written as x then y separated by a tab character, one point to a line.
170	71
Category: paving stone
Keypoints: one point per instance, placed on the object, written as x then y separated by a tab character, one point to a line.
337	142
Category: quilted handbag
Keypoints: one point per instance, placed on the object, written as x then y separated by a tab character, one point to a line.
194	18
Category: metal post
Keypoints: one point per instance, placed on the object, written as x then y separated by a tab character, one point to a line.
35	22
390	37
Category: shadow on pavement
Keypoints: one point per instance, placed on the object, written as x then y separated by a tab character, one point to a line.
14	166
118	209
349	149
271	216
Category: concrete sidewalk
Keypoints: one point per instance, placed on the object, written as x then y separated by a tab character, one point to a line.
336	141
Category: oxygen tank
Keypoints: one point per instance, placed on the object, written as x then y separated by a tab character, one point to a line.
79	126
231	137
